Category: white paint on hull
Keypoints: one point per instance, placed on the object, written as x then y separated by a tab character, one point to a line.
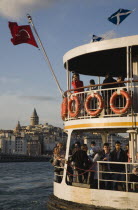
101	198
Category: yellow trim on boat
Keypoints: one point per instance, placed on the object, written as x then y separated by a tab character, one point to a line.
102	125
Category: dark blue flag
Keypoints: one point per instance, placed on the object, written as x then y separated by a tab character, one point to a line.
119	16
96	38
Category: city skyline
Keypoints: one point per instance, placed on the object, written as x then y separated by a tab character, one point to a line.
26	82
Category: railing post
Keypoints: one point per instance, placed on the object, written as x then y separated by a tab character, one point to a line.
127	62
98	175
66	156
126	168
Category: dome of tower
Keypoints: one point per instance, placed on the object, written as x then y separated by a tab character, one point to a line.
34	120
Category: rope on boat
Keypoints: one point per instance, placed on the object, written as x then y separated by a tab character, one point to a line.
85	171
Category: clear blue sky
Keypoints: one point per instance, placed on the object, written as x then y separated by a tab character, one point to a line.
25	80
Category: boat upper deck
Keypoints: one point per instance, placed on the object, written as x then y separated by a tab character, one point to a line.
98	58
118	104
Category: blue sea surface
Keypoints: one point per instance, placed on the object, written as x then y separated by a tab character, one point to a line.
25	185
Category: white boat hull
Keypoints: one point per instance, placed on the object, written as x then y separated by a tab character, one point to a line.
98	198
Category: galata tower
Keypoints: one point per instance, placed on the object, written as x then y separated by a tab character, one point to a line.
34	120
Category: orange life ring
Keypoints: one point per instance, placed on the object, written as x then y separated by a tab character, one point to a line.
64	108
100	106
77	106
128	102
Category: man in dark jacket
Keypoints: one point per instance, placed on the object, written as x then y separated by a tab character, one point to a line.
106	156
109	79
107	93
80	159
118	155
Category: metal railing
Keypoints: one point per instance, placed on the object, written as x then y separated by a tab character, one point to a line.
120	173
125	178
94	103
58	173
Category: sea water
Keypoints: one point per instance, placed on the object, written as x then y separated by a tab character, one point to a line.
25	185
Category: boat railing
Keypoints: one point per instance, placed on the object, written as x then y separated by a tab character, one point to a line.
96	101
107	175
58	173
115	174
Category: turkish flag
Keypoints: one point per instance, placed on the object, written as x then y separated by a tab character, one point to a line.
21	34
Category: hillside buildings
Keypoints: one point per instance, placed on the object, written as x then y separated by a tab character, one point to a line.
37	139
34	140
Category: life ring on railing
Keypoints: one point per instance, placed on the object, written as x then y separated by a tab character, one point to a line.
128	102
64	108
100	106
77	106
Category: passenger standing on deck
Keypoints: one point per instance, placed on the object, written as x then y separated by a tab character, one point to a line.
93	150
106	156
85	175
76	83
92	82
96	158
109	79
107	93
120	101
127	152
120	79
118	155
61	159
81	162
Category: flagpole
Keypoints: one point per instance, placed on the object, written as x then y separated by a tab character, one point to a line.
45	54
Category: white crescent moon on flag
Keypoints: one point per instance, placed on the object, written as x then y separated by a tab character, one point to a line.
19	33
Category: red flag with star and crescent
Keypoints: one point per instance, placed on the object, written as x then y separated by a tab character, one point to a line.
21	34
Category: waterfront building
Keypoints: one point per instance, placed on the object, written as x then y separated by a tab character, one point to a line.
34	146
20	145
13	144
48	143
7	143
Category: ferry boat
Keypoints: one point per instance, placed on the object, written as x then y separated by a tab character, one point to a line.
86	111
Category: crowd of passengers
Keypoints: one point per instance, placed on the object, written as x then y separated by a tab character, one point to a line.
82	165
108	82
77	83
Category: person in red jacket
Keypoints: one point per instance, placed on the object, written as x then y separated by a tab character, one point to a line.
76	83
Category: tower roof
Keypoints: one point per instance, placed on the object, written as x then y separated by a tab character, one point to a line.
34	114
18	126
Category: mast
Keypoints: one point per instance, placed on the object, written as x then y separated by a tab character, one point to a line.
45	54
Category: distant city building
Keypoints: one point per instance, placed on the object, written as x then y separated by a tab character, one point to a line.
11	144
20	145
34	146
48	143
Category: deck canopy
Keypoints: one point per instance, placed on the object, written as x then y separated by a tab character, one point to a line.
98	58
